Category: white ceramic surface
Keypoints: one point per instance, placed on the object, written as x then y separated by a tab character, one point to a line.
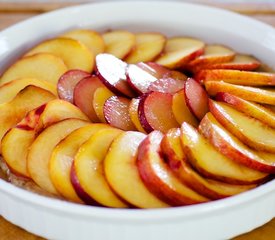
221	219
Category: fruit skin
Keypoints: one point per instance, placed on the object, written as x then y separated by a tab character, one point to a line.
41	149
84	94
234	149
178	163
27	99
74	54
250	131
133	112
260	112
122	173
255	94
155	112
89	168
62	158
67	83
210	163
41	66
157	176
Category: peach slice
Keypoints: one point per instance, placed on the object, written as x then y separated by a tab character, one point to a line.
9	90
155	112
260	95
264	114
101	94
133	112
159	178
89	168
172	149
122	173
196	98
178	51
238	77
116	113
63	156
42	66
74	54
166	85
40	151
91	39
230	146
240	62
84	95
119	43
209	162
27	99
67	83
181	111
154	69
29	127
250	131
148	46
112	72
212	54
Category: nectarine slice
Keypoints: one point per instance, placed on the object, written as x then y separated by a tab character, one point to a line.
172	149
178	51
9	90
24	133
27	99
122	173
112	72
255	94
41	149
88	165
233	148
246	78
74	54
159	178
42	66
181	111
249	130
204	157
166	85
196	98
67	82
147	47
119	42
133	112
116	113
155	112
91	39
84	95
101	94
62	158
260	112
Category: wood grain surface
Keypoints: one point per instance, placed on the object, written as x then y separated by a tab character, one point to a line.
11	13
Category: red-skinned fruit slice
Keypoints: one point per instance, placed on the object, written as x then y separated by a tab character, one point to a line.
112	72
155	112
116	113
209	162
166	85
196	98
159	178
173	151
154	69
67	83
133	112
230	146
84	94
178	51
122	173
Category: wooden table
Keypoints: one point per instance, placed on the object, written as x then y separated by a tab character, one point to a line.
11	13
